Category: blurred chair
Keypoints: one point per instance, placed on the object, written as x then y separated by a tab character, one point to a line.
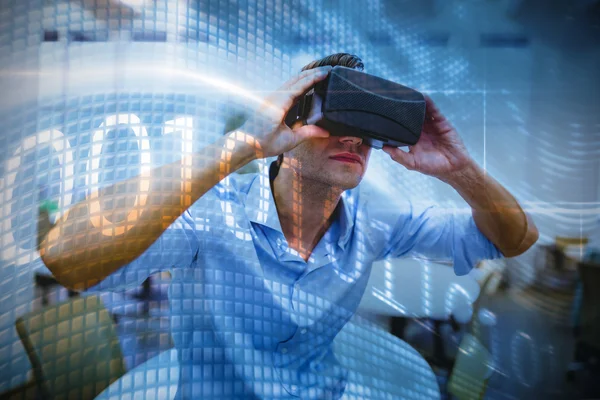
73	348
476	327
473	365
472	370
25	391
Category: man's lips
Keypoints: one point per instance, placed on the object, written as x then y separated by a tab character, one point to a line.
348	157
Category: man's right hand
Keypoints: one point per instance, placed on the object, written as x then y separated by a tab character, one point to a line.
270	134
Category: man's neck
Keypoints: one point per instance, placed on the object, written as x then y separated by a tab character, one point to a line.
305	208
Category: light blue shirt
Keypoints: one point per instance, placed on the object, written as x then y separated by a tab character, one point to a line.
249	317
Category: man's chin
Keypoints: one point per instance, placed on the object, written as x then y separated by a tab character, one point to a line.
346	182
339	180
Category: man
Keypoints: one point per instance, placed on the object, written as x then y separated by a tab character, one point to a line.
279	260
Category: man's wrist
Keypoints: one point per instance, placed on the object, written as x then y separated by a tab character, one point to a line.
467	178
245	145
240	148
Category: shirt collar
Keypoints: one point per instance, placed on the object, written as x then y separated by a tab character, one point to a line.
260	205
348	208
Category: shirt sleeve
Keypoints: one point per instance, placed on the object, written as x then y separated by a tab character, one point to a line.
437	233
176	247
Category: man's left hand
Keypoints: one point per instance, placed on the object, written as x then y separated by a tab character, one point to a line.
440	152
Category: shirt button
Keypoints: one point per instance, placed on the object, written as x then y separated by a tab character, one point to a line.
303	331
284	350
294	388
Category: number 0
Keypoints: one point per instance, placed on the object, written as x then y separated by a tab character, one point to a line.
93	167
65	158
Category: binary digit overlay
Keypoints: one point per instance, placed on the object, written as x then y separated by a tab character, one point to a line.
145	252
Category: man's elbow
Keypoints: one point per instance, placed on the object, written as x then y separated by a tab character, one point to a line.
57	271
531	237
64	276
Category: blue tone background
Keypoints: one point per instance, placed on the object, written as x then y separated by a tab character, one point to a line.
519	80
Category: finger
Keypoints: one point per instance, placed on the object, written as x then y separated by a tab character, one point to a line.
290	82
279	103
309	72
401	157
310	131
302	86
432	112
433	115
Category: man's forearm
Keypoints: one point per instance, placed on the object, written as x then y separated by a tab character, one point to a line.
80	251
496	212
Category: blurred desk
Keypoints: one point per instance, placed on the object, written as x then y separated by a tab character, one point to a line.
380	366
556	267
414	288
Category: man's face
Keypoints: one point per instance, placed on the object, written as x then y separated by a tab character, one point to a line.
339	161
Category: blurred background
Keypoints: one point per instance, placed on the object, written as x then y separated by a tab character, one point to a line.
95	91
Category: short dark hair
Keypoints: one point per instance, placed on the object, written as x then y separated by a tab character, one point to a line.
341	59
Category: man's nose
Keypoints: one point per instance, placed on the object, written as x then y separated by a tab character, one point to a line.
351	140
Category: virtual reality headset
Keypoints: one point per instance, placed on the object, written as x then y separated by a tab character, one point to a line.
352	103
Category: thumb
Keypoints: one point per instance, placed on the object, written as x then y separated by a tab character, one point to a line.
310	131
401	157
